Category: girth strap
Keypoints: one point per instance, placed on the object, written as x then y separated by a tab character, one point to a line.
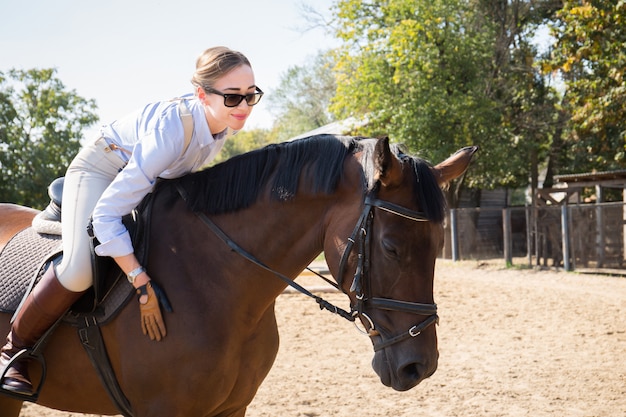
91	338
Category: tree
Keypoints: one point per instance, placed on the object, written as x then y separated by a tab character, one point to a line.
529	104
441	74
41	125
421	71
589	53
301	101
242	142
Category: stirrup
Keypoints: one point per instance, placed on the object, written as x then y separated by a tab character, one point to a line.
25	354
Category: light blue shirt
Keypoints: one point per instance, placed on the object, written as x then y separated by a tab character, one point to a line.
156	138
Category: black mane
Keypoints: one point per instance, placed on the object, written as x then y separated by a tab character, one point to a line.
238	182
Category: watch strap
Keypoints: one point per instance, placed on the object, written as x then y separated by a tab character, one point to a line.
132	275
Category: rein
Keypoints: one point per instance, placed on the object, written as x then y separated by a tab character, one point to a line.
360	234
324	305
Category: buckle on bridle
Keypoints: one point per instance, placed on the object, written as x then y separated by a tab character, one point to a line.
414	331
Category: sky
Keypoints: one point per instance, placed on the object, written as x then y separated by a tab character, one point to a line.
127	53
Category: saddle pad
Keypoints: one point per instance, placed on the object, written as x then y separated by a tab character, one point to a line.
20	260
23	258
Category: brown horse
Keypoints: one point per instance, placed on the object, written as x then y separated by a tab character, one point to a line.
215	238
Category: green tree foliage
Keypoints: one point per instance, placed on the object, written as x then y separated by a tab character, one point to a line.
244	141
301	101
41	124
416	69
438	75
524	97
590	53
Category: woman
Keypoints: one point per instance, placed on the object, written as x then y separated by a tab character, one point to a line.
110	177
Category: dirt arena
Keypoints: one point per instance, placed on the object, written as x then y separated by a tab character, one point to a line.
512	342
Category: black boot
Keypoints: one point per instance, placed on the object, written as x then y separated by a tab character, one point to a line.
48	301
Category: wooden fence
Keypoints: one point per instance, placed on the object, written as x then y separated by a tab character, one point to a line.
568	236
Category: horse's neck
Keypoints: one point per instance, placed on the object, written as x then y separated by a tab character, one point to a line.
287	235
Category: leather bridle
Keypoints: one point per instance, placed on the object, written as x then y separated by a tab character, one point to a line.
361	282
363	301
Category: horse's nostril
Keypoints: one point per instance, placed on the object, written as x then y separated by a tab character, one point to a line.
411	371
414	373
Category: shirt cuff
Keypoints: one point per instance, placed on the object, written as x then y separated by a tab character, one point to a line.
118	246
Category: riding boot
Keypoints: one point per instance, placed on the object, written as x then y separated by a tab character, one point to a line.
48	301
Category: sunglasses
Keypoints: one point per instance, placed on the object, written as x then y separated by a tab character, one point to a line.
233	100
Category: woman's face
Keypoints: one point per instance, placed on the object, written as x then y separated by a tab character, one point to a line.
238	81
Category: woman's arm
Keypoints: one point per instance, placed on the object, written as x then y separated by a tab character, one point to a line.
129	263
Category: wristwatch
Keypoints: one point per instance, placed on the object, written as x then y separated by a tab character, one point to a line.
132	275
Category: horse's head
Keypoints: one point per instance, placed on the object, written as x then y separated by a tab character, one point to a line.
377	214
387	264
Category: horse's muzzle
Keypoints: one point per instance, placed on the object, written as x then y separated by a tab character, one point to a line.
403	372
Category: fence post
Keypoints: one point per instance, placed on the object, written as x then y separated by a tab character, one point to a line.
454	235
506	236
529	235
600	226
565	236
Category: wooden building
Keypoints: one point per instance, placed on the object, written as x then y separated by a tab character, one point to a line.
595	231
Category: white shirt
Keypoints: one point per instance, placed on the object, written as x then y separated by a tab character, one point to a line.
155	135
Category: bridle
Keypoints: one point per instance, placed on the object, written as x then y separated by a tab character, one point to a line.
360	234
361	282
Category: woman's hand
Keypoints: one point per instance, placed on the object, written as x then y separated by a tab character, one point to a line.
151	319
149	295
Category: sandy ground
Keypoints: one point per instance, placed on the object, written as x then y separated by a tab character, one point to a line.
512	342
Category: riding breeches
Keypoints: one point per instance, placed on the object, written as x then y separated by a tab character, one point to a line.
89	174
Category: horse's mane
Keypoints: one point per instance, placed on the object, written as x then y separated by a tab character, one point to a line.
238	182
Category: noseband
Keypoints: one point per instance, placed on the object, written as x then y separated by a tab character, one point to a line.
362	279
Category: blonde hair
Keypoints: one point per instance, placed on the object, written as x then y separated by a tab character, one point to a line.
214	63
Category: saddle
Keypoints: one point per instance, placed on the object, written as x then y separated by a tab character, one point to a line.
110	290
29	253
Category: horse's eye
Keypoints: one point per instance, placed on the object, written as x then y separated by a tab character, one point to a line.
390	249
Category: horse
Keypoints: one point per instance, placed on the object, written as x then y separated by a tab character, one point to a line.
217	241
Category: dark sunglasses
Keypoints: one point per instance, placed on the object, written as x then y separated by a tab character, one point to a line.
233	100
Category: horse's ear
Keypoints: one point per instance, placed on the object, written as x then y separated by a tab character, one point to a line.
454	166
388	167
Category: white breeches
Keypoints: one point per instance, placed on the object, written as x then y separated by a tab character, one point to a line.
89	174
